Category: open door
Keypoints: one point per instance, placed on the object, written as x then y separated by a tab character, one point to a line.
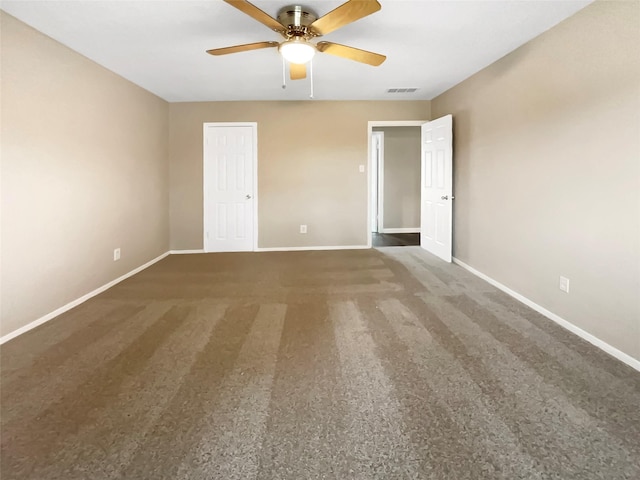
437	187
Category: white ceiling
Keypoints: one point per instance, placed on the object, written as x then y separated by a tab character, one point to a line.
160	45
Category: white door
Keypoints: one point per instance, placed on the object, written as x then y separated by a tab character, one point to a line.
437	187
229	187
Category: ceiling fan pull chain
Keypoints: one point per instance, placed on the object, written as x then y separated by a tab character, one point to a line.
284	74
311	77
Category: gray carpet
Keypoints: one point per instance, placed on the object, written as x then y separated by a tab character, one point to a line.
369	364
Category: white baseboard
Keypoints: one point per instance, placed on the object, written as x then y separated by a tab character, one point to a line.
401	230
279	249
78	301
611	350
300	249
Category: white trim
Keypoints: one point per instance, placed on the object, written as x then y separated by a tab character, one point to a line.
380	180
300	249
78	301
401	230
254	127
611	350
397	123
186	252
370	125
380	206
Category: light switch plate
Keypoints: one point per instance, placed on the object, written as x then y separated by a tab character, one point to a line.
564	284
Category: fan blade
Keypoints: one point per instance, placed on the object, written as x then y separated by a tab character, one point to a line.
241	48
297	71
257	14
351	53
343	15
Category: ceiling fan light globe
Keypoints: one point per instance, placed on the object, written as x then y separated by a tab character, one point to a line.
297	51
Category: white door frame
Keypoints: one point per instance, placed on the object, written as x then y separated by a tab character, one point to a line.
254	187
378	170
381	123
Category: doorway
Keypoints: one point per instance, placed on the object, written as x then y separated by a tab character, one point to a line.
399	235
229	187
395	183
435	180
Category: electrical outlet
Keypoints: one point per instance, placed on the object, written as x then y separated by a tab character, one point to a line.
361	168
564	284
303	229
116	255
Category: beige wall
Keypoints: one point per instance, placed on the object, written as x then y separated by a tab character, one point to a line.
547	170
308	158
401	177
84	170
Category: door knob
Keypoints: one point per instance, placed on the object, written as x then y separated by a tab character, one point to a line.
248	196
444	197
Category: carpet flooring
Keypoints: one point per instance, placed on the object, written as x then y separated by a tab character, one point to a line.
364	364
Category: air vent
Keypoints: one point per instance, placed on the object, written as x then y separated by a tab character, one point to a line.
402	90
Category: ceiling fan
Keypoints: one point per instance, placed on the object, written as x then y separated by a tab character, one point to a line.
298	25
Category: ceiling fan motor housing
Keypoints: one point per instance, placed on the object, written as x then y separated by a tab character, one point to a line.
296	19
